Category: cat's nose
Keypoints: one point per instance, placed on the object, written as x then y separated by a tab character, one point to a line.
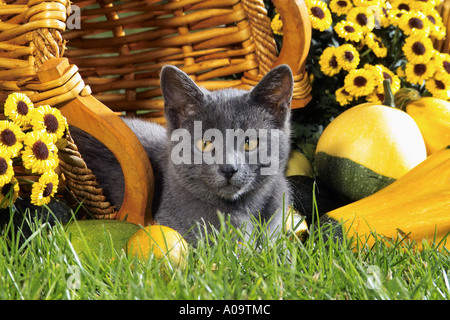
227	170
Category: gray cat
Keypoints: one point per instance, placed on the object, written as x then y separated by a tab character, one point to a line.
221	152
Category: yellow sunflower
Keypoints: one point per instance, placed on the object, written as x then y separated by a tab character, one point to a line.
320	15
423	5
393	78
401	5
11	137
277	25
442	63
372	68
419	72
6	170
347	57
50	120
376	45
382	73
394	16
400	72
40	152
418	49
343	97
415	22
359	82
6	194
44	189
340	7
348	30
364	17
328	62
438	30
383	15
439	86
18	107
367	3
375	97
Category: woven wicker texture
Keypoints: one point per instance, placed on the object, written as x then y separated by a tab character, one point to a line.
83	183
118	49
444	44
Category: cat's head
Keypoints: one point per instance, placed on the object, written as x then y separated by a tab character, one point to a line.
227	142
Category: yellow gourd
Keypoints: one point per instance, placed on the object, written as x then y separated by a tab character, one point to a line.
366	148
416	206
158	240
431	115
299	165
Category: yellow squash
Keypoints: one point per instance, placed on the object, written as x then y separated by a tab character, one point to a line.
433	118
92	238
158	240
431	115
416	206
299	165
366	148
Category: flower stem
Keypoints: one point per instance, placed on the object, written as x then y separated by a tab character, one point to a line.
388	95
365	53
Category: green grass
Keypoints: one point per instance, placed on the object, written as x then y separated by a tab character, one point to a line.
222	268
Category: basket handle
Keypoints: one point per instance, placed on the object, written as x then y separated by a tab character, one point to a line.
96	119
296	34
296	40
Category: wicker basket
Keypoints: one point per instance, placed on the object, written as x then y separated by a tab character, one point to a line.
444	44
109	64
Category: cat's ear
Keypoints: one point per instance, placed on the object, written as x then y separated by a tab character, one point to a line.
181	94
274	93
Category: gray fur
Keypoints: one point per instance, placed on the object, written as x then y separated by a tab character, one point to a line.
188	194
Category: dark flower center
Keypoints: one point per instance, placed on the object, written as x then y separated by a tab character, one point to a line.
342	4
432	20
6	188
333	62
415	23
380	96
40	150
404	6
362	19
349	29
8	138
3	166
360	81
418	48
47	190
420	69
349	56
439	84
317	12
446	66
387	76
51	123
378	42
22	108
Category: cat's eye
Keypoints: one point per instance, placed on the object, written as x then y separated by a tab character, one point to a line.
205	145
250	144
